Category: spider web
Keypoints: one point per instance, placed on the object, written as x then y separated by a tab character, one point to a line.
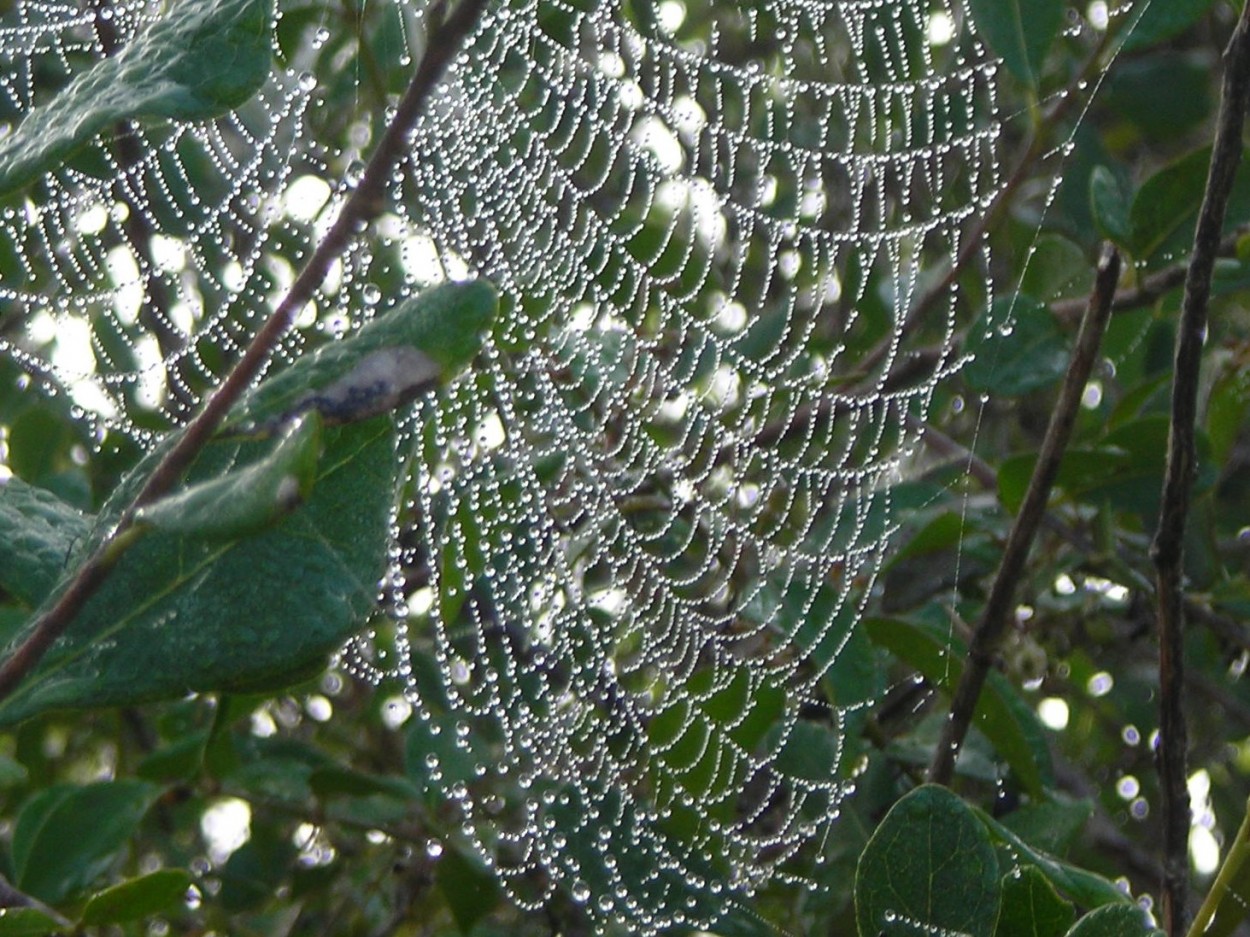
633	544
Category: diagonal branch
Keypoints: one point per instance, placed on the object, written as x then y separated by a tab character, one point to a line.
996	614
364	204
1167	550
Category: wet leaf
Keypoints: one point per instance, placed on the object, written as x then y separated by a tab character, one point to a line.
198	608
200	60
907	883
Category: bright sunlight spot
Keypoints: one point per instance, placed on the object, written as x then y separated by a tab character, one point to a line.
672	15
941	29
1054	713
226	826
1098	15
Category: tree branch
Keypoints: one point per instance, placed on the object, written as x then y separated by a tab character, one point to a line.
1167	550
996	614
364	204
1151	287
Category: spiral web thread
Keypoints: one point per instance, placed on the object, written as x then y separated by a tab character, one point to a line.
633	545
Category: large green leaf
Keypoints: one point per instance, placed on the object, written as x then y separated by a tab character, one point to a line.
196	606
183	613
1165	209
246	500
1020	32
202	58
469	888
929	868
67	836
1085	888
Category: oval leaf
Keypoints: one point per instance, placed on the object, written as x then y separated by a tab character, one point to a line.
38	535
907	883
1032	907
1125	920
1010	360
138	898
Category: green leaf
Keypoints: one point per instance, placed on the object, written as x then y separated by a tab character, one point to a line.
1020	32
1057	269
1032	907
38	535
1159	21
185	613
27	922
1085	888
470	890
1165	209
929	868
443	324
1005	719
39	440
138	898
67	836
249	499
337	781
1163	95
1115	921
258	868
203	608
1052	826
1079	471
200	60
1110	204
1025	352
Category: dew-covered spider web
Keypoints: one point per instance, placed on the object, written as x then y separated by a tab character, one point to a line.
635	540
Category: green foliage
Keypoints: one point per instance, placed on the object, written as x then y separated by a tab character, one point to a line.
209	597
201	59
1020	32
348	830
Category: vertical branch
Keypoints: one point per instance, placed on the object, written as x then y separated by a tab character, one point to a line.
1167	548
365	203
997	612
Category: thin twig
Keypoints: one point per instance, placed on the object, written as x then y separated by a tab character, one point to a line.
361	207
1167	549
1151	287
996	614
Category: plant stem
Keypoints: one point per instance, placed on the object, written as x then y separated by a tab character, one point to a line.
1230	869
997	611
364	204
1151	287
1167	549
